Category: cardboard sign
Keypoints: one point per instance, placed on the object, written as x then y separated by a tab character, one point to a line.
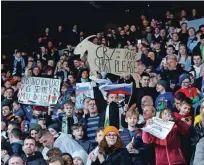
39	91
104	59
83	90
159	128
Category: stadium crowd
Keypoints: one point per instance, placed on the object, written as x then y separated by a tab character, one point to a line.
109	131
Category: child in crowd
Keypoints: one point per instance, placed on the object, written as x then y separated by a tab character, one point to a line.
178	98
68	119
184	113
185	116
79	136
92	156
132	137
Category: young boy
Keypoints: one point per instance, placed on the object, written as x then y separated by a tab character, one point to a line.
185	115
68	119
93	155
132	137
78	135
185	110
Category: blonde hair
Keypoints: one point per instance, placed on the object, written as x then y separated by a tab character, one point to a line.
132	112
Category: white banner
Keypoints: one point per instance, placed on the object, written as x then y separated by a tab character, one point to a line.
39	91
159	128
104	59
83	90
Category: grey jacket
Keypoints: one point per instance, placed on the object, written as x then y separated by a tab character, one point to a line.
199	153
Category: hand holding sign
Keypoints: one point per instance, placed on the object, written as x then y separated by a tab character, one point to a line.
158	127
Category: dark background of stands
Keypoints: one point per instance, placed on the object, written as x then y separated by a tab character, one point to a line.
23	22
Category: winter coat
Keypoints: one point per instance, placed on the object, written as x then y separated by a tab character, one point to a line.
168	151
119	157
36	159
197	133
199	154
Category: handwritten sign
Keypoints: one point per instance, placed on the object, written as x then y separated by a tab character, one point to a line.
83	90
159	128
104	59
39	91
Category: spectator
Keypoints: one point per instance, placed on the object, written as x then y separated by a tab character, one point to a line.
15	141
183	58
199	153
112	143
172	138
164	99
15	159
192	40
197	60
67	158
62	141
79	136
31	156
18	64
55	161
6	152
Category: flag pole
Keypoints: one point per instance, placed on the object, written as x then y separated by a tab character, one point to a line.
131	94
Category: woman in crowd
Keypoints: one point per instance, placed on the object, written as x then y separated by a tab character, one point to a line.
111	149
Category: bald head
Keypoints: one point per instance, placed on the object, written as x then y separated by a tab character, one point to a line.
146	101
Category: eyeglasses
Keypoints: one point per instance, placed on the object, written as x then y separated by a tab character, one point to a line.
187	82
113	135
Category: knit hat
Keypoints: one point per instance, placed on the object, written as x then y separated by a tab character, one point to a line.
183	77
55	127
110	129
80	154
163	83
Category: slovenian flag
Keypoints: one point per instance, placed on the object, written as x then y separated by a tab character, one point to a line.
117	88
81	90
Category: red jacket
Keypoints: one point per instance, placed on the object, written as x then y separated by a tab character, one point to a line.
168	151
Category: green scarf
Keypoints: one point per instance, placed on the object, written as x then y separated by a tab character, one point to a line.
202	52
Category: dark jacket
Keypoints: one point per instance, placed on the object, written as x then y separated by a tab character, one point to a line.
197	133
125	135
118	157
36	159
17	148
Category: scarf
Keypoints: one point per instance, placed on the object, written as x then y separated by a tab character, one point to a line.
15	63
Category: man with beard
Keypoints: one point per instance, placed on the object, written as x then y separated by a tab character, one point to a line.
32	156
